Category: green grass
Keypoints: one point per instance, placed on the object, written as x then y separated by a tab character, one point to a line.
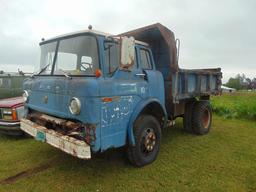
241	105
223	160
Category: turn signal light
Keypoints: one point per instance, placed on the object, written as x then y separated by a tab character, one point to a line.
98	73
14	114
107	99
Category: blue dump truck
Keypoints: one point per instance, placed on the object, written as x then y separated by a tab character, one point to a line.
96	91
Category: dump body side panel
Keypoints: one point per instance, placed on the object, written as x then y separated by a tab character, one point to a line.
193	83
189	84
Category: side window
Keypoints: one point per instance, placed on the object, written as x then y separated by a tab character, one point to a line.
86	63
145	59
111	55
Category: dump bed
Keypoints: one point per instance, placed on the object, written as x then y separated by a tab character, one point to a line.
180	84
193	83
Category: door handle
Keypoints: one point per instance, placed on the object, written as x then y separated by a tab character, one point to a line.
140	74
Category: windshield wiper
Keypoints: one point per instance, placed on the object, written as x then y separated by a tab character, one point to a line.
65	74
42	70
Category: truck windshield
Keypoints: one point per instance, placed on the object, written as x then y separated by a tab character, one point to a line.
47	56
75	56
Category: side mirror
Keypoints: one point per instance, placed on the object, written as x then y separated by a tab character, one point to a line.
127	52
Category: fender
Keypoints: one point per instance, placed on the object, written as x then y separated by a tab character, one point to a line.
136	112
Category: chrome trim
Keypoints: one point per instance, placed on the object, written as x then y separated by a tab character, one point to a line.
140	74
78	104
25	95
5	123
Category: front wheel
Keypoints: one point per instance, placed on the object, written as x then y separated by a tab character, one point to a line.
147	133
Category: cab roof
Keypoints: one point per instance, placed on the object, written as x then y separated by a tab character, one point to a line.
90	32
157	36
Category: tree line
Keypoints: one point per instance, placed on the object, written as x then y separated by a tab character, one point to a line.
240	82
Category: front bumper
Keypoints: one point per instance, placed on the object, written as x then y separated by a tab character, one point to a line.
10	128
65	143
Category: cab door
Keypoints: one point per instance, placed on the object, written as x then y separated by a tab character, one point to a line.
153	78
121	91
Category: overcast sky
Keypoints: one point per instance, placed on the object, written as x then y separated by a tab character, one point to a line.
213	33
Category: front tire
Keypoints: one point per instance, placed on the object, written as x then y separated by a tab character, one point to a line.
147	134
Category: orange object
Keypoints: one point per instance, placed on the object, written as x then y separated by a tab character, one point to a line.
98	73
14	114
107	99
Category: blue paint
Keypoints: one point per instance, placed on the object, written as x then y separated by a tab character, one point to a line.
129	92
192	83
137	110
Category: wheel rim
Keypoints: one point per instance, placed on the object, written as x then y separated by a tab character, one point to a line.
148	141
206	118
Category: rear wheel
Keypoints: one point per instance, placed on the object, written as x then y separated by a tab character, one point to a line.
147	133
202	117
187	118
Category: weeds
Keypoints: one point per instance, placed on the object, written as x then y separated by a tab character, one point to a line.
235	105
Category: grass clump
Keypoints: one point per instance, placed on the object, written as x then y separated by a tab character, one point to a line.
240	105
223	160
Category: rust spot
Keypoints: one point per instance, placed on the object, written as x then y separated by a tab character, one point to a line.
62	145
54	123
90	133
77	130
74	152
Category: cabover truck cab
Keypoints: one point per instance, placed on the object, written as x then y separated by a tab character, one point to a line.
96	91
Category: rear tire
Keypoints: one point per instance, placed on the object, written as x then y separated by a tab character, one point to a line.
202	117
187	118
147	134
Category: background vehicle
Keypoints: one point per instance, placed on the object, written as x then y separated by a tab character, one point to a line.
11	102
96	91
11	84
11	111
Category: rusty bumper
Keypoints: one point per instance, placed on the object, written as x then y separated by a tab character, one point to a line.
67	144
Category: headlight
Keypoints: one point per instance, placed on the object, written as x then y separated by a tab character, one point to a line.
25	96
9	114
75	106
7	111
